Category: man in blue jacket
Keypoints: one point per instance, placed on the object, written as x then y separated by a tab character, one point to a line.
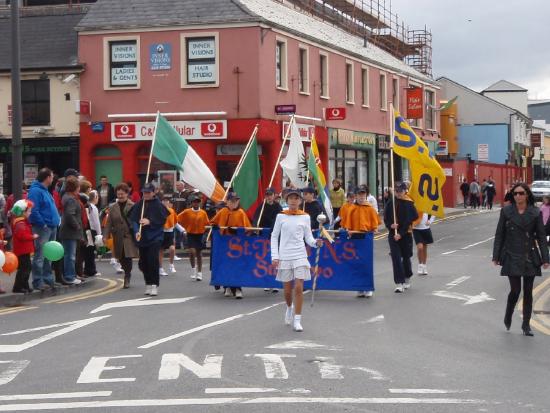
44	220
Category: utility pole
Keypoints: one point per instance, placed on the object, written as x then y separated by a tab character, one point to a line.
16	142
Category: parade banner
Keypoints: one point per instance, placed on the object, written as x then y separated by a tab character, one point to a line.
245	261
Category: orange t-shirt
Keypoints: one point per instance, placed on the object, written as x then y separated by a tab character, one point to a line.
193	221
362	218
231	218
171	219
344	215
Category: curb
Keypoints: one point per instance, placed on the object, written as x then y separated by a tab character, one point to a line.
16	300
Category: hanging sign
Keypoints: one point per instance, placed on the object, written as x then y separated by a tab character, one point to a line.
414	103
335	113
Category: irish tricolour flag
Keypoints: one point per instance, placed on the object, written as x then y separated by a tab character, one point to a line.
170	147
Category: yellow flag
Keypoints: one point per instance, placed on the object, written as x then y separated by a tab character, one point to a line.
427	176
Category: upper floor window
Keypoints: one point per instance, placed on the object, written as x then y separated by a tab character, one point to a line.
303	77
200	68
430	109
35	102
365	86
383	92
123	63
350	96
395	93
323	61
281	65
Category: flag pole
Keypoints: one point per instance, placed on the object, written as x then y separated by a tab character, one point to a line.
285	138
138	235
392	161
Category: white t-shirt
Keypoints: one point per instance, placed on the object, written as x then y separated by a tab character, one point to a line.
293	231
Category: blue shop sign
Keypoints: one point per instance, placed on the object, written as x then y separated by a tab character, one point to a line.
160	56
98	126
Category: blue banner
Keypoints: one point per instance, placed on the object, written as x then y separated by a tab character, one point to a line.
245	261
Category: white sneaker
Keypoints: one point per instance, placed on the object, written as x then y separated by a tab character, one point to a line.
227	292
176	258
407	283
162	271
118	268
360	294
399	288
76	281
369	294
194	274
238	294
266	290
154	290
424	269
289	315
148	289
113	261
172	269
298	324
199	276
420	269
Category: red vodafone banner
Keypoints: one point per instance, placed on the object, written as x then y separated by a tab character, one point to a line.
414	103
189	129
335	113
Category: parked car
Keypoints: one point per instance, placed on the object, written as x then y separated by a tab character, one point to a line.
540	189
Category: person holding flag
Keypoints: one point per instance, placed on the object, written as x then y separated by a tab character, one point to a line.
289	255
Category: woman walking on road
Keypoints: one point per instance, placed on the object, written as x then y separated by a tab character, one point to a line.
519	230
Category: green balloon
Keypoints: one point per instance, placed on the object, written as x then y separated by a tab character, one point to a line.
53	250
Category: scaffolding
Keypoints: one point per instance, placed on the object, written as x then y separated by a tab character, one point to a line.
376	23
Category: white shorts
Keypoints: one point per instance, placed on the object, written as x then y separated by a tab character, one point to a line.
290	270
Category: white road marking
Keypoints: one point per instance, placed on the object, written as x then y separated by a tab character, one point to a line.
376	319
171	365
205	326
302	345
329	369
235	390
140	302
459	280
73	395
155	403
72	325
477	243
442	238
448	252
375	374
14	368
92	371
425	391
274	365
470	299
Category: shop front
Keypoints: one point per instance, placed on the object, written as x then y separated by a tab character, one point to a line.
58	154
352	158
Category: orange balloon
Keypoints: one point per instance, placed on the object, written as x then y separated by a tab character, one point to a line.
11	263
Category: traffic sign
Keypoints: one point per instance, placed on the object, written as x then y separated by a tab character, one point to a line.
285	109
335	113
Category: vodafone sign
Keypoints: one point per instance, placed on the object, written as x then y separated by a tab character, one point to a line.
192	129
335	113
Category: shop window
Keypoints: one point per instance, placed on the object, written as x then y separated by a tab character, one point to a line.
35	102
122	67
281	75
350	96
323	61
303	75
201	60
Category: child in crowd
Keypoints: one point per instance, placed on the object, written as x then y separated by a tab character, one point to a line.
194	220
343	216
422	235
23	244
169	240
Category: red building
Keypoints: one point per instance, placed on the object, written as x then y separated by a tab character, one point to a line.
243	60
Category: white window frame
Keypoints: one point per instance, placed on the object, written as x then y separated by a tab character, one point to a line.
434	113
383	95
350	83
284	63
184	60
417	123
305	69
365	86
107	61
327	77
396	92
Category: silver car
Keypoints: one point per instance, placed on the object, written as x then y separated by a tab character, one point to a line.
540	189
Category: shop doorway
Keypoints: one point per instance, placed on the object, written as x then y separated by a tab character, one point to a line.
108	162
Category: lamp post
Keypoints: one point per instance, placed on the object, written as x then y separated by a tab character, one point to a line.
16	143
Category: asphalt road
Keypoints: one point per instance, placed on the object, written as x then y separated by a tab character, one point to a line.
439	347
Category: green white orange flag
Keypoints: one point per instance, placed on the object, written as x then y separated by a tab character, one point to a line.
247	180
314	167
171	148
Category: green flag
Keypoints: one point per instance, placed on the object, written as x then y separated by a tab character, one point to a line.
247	181
448	104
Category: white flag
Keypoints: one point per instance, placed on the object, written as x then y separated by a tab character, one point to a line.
294	165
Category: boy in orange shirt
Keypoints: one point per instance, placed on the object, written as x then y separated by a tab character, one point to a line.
231	216
343	215
194	220
169	241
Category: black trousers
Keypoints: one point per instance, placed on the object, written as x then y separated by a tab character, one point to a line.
23	273
126	264
401	252
513	296
89	258
149	263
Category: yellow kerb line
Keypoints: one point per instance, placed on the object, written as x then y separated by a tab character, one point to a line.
110	286
15	310
538	326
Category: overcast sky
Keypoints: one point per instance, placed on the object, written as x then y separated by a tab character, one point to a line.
478	42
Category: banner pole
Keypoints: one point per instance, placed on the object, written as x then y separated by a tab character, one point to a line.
392	166
138	235
285	138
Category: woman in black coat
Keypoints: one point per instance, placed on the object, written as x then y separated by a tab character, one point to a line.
519	230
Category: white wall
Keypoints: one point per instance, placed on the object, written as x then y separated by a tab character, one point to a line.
515	100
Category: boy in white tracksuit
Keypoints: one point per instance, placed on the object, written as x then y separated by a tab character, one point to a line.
294	227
